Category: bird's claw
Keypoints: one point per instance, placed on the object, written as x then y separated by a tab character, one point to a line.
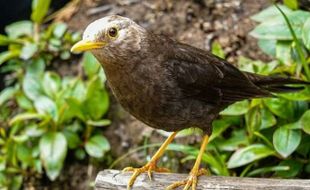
191	181
149	168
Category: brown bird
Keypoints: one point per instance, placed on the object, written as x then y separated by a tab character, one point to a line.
170	85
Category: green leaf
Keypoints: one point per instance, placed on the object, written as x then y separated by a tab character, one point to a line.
270	12
268	119
305	122
249	154
45	105
286	141
280	107
16	182
39	10
267	169
33	130
219	126
72	139
24	154
293	4
23	102
25	116
283	52
238	108
74	109
5	41
20	28
96	146
90	64
217	49
53	151
99	123
7	94
268	46
36	67
97	100
51	83
306	33
28	50
302	95
276	28
59	29
7	55
294	168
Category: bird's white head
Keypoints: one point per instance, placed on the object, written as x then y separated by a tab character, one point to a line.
110	37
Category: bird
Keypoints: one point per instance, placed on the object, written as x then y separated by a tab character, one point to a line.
171	85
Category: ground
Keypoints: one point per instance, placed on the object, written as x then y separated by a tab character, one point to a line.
197	22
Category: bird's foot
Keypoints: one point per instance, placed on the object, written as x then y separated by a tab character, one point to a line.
191	181
149	168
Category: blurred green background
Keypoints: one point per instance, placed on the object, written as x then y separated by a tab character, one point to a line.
56	111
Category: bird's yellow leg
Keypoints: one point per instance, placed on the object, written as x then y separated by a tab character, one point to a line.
151	165
192	179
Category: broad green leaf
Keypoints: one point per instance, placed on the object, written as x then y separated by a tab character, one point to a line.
53	151
238	139
16	182
306	33
20	28
268	46
264	170
25	116
97	145
28	50
99	123
32	87
253	120
294	168
280	107
7	94
219	126
90	64
23	102
276	28
59	29
293	4
33	130
39	10
283	52
73	109
24	154
80	154
72	139
217	49
36	67
238	108
270	12
45	105
305	122
97	100
286	141
268	119
51	83
7	55
249	154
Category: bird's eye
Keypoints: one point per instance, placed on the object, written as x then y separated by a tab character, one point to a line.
112	32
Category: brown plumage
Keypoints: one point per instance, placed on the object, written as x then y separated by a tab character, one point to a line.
171	85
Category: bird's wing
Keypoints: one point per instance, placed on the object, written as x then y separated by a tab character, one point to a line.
211	79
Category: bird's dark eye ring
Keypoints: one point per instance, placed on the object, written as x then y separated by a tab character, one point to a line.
112	32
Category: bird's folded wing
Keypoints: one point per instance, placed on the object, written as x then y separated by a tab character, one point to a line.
208	78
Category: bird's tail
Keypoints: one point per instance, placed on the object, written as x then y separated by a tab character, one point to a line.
277	84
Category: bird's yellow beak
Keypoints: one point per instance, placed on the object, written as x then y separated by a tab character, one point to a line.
85	45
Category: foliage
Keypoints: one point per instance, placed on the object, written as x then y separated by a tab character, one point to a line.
270	136
43	115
